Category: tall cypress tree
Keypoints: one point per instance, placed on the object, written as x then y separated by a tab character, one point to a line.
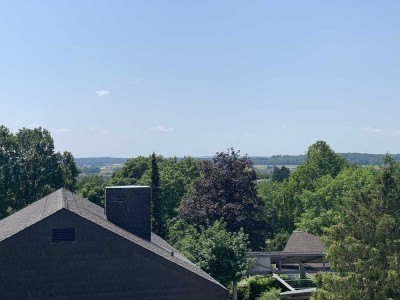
156	199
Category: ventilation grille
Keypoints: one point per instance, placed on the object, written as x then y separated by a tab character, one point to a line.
63	235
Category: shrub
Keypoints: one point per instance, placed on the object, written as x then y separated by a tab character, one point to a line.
272	294
252	287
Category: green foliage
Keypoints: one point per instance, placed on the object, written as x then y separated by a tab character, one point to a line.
69	171
176	181
30	168
279	209
220	253
227	190
307	200
135	171
92	188
364	247
280	174
321	161
355	158
278	242
322	207
8	170
254	287
272	294
170	179
157	204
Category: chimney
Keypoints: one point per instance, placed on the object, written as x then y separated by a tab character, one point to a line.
129	207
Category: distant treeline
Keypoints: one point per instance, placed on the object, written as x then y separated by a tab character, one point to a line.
356	158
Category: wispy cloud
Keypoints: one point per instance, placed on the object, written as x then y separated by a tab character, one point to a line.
102	93
64	130
100	130
371	130
162	129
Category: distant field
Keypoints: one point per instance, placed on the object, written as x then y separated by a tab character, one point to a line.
264	164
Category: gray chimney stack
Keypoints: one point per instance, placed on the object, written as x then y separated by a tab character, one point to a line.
129	207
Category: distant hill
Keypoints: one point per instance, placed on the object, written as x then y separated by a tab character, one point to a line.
357	158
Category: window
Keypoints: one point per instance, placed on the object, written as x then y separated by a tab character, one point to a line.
63	235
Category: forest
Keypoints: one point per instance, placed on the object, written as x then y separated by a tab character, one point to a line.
214	211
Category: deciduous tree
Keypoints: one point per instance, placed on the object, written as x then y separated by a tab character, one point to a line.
227	190
280	174
364	248
215	250
30	168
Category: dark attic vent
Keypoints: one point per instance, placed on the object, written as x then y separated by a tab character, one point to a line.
63	235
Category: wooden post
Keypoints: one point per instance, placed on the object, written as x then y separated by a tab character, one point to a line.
234	290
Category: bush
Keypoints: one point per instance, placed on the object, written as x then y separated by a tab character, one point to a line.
272	294
253	287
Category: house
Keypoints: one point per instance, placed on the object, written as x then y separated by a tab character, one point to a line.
302	257
300	241
301	250
66	247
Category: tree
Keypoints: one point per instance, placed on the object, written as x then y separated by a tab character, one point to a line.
175	179
92	188
322	207
156	199
30	168
220	253
8	167
280	174
364	248
321	161
284	201
135	171
176	182
279	209
69	171
227	189
38	165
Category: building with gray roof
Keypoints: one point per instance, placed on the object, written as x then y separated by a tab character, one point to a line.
66	247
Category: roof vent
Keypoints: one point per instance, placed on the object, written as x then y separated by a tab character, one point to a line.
63	235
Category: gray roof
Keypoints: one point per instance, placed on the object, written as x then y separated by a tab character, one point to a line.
63	199
301	241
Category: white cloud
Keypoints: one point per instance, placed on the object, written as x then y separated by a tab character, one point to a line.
102	93
371	130
64	130
162	129
100	130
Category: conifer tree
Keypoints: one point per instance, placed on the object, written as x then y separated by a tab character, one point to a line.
156	199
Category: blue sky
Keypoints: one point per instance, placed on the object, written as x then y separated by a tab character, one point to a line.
126	78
